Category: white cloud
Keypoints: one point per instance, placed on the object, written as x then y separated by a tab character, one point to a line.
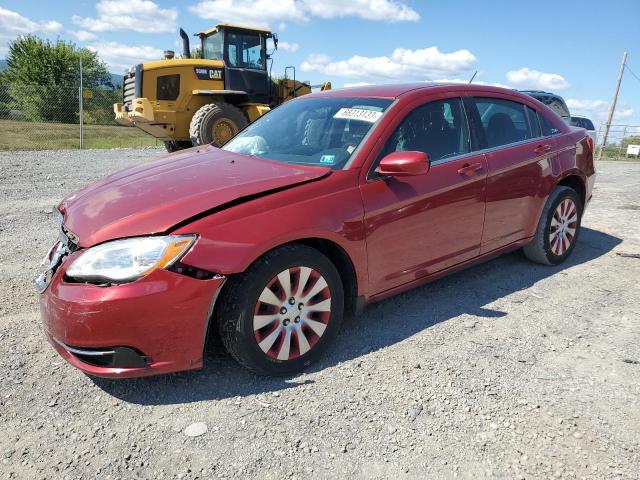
264	12
121	57
357	84
249	12
125	15
378	10
598	110
403	64
82	35
288	47
12	25
51	26
527	78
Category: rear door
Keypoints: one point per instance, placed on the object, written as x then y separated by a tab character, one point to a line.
422	224
517	156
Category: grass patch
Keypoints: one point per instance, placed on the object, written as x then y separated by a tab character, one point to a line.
16	135
616	154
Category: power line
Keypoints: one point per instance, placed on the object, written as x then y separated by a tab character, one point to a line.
631	72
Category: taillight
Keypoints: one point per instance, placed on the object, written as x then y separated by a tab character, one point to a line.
590	142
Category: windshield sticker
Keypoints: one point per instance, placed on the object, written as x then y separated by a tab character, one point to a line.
329	159
358	114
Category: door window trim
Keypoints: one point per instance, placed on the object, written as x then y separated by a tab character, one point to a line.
372	176
471	99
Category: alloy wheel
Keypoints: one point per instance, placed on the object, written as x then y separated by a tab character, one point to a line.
563	226
292	313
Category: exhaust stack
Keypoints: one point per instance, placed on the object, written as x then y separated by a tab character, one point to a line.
186	52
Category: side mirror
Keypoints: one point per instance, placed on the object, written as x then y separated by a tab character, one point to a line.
404	164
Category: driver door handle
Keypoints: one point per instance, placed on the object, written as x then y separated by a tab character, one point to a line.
540	149
469	170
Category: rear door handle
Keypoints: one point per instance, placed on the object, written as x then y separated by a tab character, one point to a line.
540	149
469	170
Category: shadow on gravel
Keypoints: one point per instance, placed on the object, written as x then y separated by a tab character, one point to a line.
379	326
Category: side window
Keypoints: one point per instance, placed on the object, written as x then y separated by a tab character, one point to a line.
245	51
548	128
232	55
534	124
503	121
438	128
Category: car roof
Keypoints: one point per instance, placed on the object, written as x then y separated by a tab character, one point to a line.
393	91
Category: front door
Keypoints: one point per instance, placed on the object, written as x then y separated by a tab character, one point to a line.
419	225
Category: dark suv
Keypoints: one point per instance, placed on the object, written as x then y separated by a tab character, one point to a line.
553	101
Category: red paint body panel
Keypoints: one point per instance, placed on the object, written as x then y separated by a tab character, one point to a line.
419	225
397	232
153	197
331	210
164	316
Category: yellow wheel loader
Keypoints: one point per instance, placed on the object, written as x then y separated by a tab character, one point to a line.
194	101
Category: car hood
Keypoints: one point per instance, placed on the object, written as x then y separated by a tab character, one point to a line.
154	197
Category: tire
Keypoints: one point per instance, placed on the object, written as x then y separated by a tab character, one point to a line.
174	146
216	123
553	244
255	332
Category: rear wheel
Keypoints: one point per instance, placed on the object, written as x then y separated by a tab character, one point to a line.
558	228
283	312
216	123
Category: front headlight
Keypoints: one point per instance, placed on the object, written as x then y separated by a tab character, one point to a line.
129	259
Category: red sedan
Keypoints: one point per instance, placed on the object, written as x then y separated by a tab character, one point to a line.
329	202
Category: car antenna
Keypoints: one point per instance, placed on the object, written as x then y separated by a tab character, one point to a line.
473	76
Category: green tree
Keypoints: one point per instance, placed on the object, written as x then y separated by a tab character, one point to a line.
44	77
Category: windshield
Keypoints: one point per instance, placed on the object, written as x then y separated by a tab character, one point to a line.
212	46
322	131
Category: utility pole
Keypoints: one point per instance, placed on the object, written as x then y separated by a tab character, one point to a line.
80	93
612	108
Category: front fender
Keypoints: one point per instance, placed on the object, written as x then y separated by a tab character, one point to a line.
329	209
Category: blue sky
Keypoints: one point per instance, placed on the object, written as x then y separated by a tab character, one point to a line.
571	47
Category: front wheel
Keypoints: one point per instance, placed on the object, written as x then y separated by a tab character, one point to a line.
283	312
216	123
176	145
558	228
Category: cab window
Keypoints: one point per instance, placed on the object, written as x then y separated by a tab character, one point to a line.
438	129
244	50
212	46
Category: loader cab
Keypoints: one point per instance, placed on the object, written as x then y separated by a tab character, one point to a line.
244	52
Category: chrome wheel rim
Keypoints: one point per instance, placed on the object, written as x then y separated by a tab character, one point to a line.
292	313
564	224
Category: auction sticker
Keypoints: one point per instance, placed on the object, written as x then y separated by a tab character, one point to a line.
358	114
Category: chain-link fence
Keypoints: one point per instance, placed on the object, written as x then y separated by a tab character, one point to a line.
618	141
35	117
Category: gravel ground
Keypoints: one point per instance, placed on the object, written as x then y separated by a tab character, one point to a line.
506	370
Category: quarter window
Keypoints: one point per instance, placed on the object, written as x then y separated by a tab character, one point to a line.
548	128
438	129
503	121
534	124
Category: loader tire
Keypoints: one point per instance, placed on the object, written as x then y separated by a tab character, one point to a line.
216	123
174	146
